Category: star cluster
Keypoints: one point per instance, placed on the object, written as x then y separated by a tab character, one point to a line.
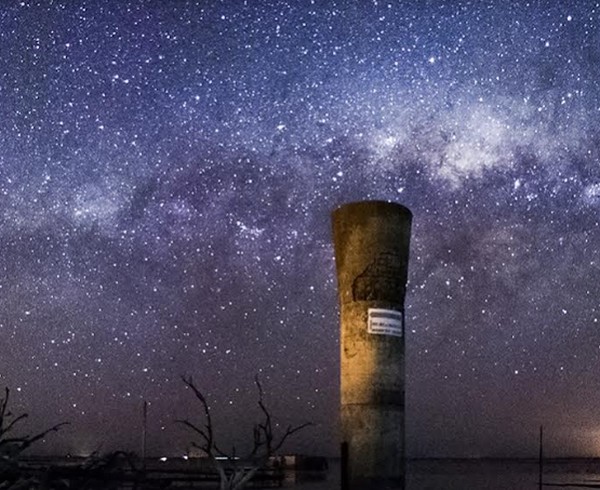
167	173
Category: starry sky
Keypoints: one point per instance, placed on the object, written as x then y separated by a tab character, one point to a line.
167	174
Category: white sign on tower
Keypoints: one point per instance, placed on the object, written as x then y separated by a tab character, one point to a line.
385	322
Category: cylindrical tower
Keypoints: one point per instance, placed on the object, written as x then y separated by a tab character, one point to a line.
371	241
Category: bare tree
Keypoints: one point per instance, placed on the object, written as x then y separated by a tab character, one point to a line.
12	446
232	474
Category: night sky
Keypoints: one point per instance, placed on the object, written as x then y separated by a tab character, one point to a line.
167	174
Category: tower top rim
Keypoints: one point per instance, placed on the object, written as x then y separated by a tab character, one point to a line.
373	206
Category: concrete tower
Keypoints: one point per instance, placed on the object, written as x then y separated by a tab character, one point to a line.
371	240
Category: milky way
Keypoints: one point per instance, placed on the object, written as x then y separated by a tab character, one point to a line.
167	173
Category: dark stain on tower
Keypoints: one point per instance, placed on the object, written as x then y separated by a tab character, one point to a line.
371	240
381	280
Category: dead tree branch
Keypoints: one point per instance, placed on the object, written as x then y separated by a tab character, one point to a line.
264	442
12	474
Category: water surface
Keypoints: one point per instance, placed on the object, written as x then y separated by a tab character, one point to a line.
477	475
